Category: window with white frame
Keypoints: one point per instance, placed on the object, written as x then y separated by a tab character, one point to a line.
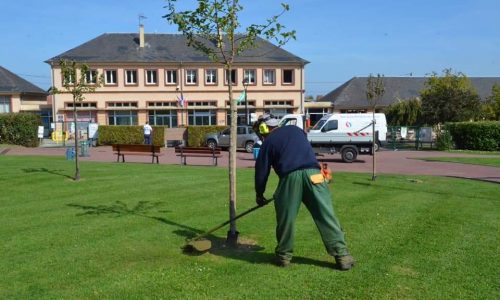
91	76
202	117
170	76
151	77
288	76
211	76
249	76
121	104
191	76
110	77
68	78
234	78
122	117
163	118
5	104
269	76
131	77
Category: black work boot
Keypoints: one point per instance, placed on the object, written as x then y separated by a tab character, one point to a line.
344	262
283	263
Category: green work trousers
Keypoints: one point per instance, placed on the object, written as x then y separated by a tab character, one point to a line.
293	189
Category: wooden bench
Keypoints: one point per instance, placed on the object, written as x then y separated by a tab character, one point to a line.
122	149
185	152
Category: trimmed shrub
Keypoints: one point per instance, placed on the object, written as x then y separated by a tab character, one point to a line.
484	136
444	140
196	134
20	129
111	134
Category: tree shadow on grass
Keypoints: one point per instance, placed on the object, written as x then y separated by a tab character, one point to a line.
45	170
120	209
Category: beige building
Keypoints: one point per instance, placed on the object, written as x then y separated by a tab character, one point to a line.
146	77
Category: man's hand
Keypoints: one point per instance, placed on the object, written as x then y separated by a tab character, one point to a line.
260	200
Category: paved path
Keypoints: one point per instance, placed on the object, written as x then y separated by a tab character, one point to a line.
388	161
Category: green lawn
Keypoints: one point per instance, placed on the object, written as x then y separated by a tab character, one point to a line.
484	161
117	234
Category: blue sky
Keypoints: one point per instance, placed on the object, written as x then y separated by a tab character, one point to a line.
340	38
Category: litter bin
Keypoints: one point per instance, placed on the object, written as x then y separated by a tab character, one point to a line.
255	153
70	153
84	149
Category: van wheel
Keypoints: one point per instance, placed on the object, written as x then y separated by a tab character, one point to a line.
249	147
349	154
211	144
377	147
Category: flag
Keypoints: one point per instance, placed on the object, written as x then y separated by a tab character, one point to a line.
181	101
241	98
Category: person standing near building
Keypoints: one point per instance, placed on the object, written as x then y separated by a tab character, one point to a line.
148	131
287	150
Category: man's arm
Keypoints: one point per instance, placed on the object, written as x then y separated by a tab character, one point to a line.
262	170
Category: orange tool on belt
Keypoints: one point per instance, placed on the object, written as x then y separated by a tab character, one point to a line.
327	173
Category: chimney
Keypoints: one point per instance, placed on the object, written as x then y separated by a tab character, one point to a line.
141	36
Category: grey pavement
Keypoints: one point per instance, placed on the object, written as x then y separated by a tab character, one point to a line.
388	161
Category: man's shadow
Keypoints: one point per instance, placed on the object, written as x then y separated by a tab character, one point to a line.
246	250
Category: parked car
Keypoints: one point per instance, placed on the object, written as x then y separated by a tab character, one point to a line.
246	138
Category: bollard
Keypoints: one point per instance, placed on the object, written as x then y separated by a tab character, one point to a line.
70	153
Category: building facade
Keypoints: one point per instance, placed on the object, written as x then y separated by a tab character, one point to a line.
20	95
158	78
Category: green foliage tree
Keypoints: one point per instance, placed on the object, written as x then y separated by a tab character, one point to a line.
449	98
375	90
490	110
404	112
212	28
78	80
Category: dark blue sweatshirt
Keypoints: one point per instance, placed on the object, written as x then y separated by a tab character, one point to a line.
286	149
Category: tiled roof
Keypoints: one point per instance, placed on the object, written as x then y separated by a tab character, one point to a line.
352	94
11	83
124	47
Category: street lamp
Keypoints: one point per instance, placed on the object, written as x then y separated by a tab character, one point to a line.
245	86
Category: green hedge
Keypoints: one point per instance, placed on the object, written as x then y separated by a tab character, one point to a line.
483	136
109	134
196	134
19	129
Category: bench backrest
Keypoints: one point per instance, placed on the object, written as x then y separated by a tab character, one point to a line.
136	148
201	150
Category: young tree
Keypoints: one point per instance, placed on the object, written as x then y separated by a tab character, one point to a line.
77	81
450	98
490	110
374	92
212	28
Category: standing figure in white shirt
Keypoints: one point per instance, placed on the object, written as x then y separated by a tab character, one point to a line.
148	131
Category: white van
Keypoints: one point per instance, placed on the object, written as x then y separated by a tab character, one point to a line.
352	123
341	123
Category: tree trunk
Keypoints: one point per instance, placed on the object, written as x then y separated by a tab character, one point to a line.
75	118
232	237
374	175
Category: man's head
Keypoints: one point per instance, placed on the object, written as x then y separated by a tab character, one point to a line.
265	124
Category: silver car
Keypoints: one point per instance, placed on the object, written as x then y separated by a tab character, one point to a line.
246	138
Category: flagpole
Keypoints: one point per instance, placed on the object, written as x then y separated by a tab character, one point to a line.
245	86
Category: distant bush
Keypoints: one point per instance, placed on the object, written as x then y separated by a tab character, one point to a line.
483	136
444	141
196	134
20	129
110	134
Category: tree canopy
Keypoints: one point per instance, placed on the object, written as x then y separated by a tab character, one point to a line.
449	98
